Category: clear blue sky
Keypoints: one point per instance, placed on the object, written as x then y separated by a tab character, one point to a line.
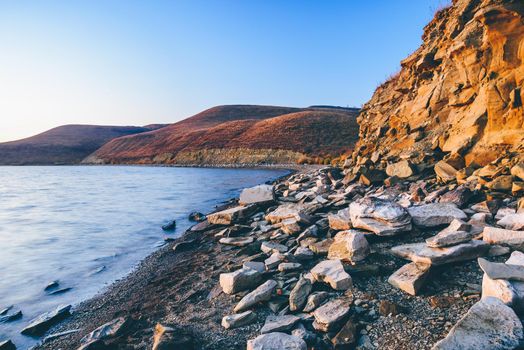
139	62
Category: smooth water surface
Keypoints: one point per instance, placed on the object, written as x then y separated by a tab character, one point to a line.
87	226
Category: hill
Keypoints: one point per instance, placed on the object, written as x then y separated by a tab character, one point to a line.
67	144
239	134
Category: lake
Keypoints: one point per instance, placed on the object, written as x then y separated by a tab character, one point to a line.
87	226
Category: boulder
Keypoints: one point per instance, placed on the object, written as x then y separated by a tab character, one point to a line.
501	183
421	253
279	323
435	214
329	315
260	294
42	323
444	171
231	215
270	247
110	329
349	246
238	320
383	217
288	211
241	279
260	194
299	294
332	272
513	222
488	325
502	271
402	169
500	236
410	277
276	341
237	241
340	221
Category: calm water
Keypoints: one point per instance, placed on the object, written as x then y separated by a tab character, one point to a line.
87	226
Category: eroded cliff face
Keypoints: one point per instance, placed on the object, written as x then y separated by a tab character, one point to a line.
460	92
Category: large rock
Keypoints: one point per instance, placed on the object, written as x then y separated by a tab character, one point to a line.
512	222
488	325
410	277
340	221
279	323
500	236
349	246
276	341
299	294
421	253
383	217
329	315
510	292
402	169
42	323
332	272
504	271
238	320
231	215
260	194
261	294
436	214
241	279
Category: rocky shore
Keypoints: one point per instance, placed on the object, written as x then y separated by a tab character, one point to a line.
330	258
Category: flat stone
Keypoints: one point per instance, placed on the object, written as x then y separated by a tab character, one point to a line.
237	241
291	226
328	316
260	294
322	247
383	217
446	239
510	292
54	336
276	341
402	169
270	247
279	323
504	271
241	279
287	211
410	277
230	216
315	300
238	320
435	214
350	246
420	253
510	238
340	221
332	272
444	171
304	254
299	294
42	323
260	194
107	330
286	267
274	260
488	325
255	265
512	222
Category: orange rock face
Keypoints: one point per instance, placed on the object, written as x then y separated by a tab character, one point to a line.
461	91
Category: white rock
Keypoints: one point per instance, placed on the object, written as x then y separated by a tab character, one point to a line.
287	211
383	217
505	271
289	266
230	216
238	320
330	314
276	341
447	238
435	214
510	238
274	260
303	254
270	247
488	325
241	279
349	246
261	294
259	194
513	222
420	253
254	265
410	277
332	272
279	323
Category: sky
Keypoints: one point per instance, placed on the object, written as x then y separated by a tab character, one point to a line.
131	62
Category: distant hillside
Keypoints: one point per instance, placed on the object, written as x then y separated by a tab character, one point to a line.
67	144
239	134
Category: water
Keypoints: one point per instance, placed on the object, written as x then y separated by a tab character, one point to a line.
87	226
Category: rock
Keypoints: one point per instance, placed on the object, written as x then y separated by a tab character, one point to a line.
387	308
260	294
459	196
518	170
420	253
322	247
308	336
287	211
332	272
274	260
489	325
254	265
489	207
54	336
241	279
276	341
510	292
513	239
279	323
170	226
261	194
371	176
7	345
340	221
346	338
349	246
513	222
167	338
435	214
184	246
402	169
42	323
315	300
287	267
383	217
447	238
52	285
196	216
110	329
270	247
299	294
479	219
501	183
11	317
304	254
504	271
5	310
230	216
410	277
444	171
237	241
238	320
517	187
329	315
498	250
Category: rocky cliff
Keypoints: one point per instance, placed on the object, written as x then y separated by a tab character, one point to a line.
459	94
